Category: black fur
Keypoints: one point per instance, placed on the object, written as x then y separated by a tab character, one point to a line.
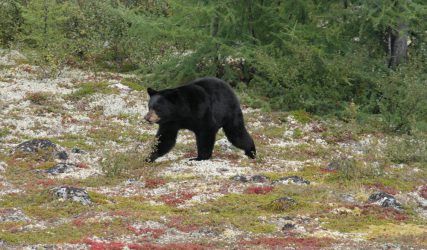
203	106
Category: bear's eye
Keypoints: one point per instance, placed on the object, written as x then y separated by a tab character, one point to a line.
155	109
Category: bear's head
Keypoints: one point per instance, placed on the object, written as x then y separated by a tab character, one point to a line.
160	107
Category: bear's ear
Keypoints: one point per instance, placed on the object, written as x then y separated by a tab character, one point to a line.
151	91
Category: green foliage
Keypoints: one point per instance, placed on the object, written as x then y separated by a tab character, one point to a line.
407	149
403	102
349	169
322	57
10	21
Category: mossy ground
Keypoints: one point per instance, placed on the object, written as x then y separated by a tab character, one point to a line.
203	200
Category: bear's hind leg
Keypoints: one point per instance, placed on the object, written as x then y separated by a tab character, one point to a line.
238	136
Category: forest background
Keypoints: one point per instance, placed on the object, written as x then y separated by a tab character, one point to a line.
357	60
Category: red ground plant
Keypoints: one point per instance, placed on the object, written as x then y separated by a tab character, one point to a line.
381	187
299	243
153	232
154	183
178	222
79	222
46	182
259	190
176	198
82	165
95	245
327	171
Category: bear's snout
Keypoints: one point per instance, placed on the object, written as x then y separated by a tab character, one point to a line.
151	117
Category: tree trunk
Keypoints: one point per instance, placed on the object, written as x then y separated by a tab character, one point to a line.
398	45
214	32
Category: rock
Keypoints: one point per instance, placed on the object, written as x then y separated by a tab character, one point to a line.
62	155
3	166
283	203
422	191
260	178
46	148
73	194
12	215
385	200
61	168
78	151
288	226
122	87
420	196
348	198
35	145
333	166
240	178
291	179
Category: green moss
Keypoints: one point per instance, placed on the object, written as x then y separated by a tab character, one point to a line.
392	230
309	172
73	140
42	205
298	134
65	233
243	210
98	198
139	206
131	83
4	132
90	88
301	116
96	181
351	222
273	131
300	152
396	183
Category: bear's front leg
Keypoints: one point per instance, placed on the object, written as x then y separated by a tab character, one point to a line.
166	137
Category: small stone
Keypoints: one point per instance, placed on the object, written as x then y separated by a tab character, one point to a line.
78	151
423	191
62	155
332	166
61	168
71	193
2	166
240	178
348	198
12	215
385	200
260	178
291	179
288	226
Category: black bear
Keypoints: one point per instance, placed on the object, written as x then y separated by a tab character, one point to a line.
203	106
